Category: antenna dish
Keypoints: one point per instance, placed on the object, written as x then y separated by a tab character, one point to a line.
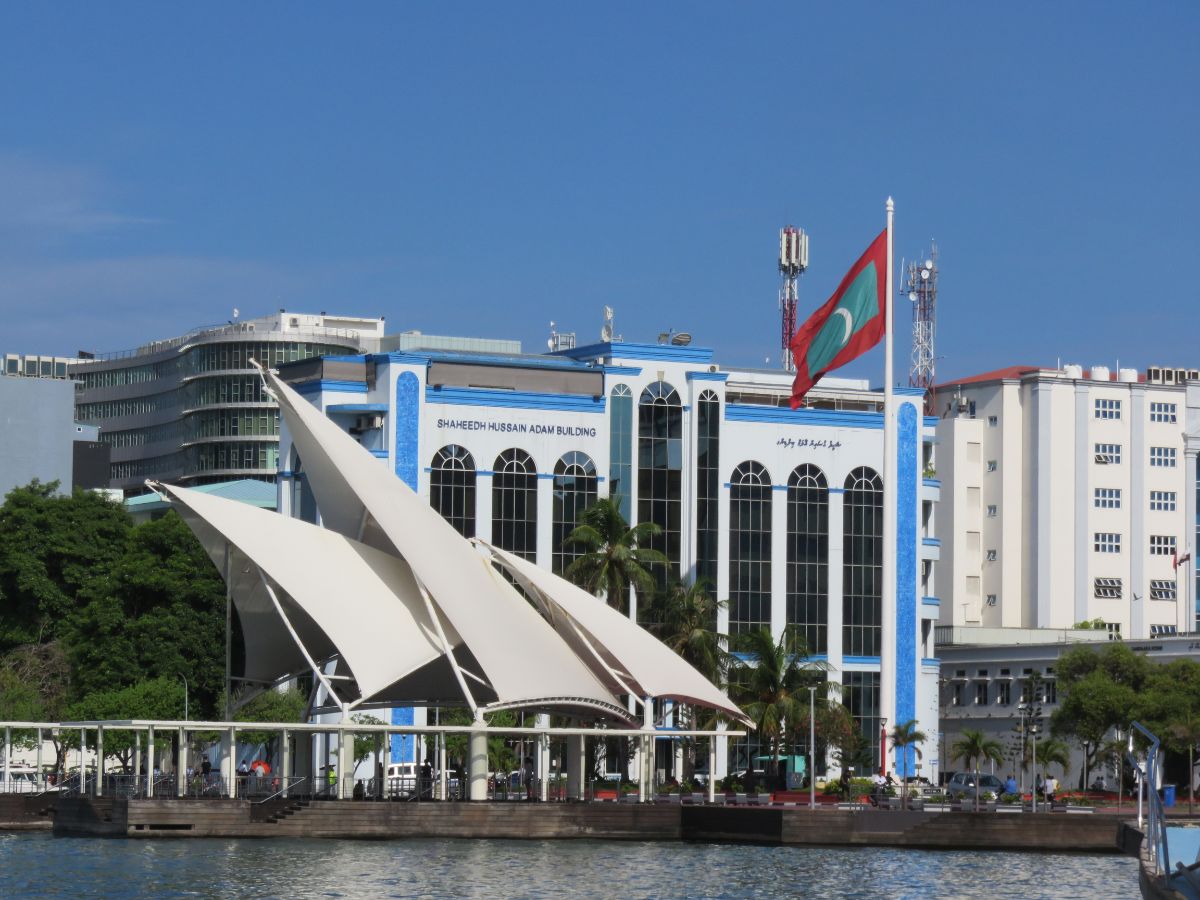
912	295
682	339
550	343
606	334
924	274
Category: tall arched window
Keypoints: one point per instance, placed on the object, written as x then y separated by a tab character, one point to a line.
660	467
749	548
620	447
514	504
708	485
574	491
452	488
808	557
862	568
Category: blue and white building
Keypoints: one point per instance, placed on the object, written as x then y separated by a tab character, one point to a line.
781	510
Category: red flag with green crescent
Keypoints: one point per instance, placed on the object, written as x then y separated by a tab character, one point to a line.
849	324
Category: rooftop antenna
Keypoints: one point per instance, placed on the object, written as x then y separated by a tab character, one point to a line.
606	333
922	291
793	260
560	340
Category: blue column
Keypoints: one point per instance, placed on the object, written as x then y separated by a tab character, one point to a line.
906	572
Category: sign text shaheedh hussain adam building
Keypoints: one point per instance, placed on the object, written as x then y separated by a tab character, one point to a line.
781	510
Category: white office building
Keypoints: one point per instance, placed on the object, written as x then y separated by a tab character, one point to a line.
781	510
1068	497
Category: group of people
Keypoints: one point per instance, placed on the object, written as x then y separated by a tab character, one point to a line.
1046	790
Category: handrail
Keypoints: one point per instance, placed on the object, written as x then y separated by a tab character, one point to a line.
290	783
1156	832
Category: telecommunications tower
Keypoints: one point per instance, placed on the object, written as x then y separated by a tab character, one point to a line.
793	260
922	291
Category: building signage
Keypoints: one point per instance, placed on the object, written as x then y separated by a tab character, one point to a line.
516	427
814	443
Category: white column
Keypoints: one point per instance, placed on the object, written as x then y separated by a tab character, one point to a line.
344	758
229	764
779	536
181	764
477	765
99	760
137	758
545	519
150	762
483	502
286	752
39	756
7	754
442	780
712	770
887	648
837	511
544	764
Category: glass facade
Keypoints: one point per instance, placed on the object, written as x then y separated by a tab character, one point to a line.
452	488
708	486
575	487
514	504
808	557
660	469
749	549
620	448
860	694
862	567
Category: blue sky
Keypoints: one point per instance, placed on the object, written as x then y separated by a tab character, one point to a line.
485	169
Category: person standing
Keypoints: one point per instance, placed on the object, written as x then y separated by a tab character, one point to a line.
1051	789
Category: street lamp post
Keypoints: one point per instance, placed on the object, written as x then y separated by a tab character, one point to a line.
185	695
882	745
812	748
1033	793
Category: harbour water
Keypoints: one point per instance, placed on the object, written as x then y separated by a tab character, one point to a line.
38	865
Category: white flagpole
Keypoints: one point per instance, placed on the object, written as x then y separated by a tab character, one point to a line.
887	654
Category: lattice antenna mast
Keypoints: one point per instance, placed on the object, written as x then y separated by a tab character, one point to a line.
793	260
922	291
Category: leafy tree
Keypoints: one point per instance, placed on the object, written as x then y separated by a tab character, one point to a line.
271	706
973	746
615	556
365	744
50	547
1099	690
35	681
772	685
1054	751
156	698
903	736
159	611
1185	734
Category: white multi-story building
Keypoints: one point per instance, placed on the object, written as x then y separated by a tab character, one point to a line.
1069	496
780	510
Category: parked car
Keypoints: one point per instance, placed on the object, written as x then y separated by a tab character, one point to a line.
962	784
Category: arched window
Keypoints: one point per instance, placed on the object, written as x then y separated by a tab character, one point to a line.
708	485
620	447
749	548
574	491
862	567
452	488
514	504
808	557
660	467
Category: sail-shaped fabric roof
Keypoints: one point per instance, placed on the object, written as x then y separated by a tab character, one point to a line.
413	612
629	652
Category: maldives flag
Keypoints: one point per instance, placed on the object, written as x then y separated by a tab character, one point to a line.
1177	560
849	324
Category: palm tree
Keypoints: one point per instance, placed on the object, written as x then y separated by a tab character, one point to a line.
615	555
1056	752
972	747
772	684
1187	732
903	736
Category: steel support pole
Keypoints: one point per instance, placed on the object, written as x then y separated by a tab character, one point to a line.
712	770
544	766
442	783
233	786
7	755
39	757
478	765
137	762
287	761
181	764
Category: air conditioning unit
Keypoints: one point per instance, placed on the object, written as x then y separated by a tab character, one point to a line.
366	423
1102	459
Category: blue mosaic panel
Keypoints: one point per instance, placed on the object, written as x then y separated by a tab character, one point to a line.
404	746
906	573
408	417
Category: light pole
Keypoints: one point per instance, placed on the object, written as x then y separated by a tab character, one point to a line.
1087	746
185	695
882	746
1033	793
812	748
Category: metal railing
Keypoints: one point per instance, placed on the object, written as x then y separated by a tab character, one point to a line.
294	786
1156	830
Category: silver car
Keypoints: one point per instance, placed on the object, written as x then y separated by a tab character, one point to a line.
963	785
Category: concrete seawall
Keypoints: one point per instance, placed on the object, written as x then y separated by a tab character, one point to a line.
557	821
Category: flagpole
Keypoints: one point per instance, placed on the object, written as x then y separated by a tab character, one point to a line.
887	654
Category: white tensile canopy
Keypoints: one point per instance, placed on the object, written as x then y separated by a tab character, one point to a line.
412	612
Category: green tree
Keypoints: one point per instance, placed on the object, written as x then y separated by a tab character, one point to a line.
365	744
156	698
903	736
772	685
1054	751
1185	735
615	556
1098	689
271	706
158	611
50	547
972	747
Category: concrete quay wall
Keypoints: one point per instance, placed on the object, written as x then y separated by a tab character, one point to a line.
1052	832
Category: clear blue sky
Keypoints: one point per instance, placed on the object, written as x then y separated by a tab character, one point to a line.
484	169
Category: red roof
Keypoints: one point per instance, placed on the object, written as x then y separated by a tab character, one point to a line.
995	375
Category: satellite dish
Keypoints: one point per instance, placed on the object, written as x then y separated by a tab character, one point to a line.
924	274
682	339
929	263
606	334
608	313
550	343
912	295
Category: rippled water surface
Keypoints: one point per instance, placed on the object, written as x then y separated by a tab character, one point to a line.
38	865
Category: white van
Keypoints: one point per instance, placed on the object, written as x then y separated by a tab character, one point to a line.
22	779
401	780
